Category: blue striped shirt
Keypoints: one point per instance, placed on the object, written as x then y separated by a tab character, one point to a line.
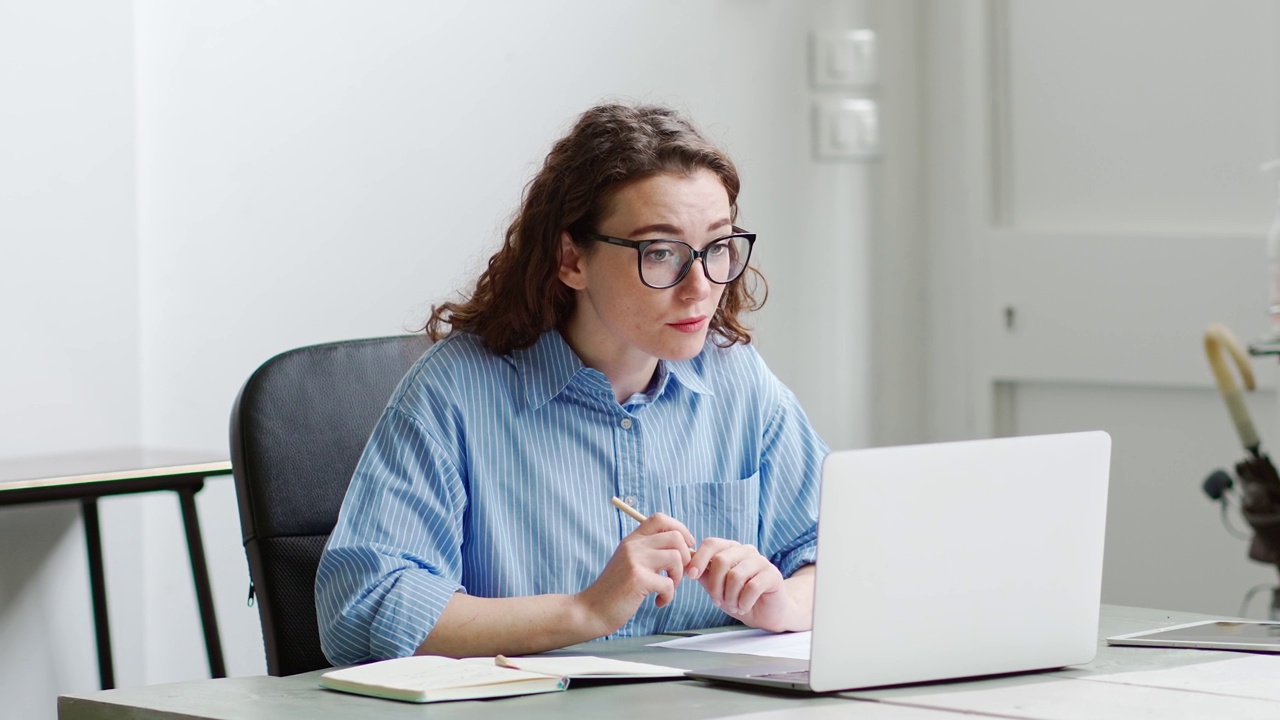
492	475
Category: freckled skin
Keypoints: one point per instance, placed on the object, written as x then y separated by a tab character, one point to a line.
619	325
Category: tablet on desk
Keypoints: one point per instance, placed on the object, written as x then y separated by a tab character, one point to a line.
1251	635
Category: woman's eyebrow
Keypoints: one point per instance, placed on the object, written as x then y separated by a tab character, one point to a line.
672	229
655	228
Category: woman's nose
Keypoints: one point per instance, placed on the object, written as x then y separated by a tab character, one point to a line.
695	285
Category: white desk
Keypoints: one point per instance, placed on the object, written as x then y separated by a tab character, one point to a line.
87	476
1058	694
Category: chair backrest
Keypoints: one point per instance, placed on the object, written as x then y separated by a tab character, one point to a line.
297	430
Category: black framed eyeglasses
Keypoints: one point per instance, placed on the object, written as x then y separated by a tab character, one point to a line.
664	263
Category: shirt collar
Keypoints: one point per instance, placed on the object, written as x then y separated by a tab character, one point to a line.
546	367
690	373
549	365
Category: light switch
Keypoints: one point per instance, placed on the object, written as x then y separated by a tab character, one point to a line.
846	128
843	58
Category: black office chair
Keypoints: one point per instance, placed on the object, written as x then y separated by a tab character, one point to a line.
297	430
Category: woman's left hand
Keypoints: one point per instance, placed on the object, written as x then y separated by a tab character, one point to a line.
744	584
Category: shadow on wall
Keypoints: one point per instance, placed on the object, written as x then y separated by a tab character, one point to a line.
28	538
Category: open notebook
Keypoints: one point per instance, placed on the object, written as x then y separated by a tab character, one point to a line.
430	678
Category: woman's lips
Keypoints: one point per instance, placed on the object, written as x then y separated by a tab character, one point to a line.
691	325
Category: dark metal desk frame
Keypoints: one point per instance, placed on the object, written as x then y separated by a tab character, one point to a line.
85	477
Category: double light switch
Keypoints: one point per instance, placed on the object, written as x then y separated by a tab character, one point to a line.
846	122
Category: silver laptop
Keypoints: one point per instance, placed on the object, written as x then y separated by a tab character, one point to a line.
952	560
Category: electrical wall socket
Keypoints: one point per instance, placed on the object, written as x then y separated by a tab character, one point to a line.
846	128
843	58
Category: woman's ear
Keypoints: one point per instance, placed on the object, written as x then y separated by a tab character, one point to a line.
572	271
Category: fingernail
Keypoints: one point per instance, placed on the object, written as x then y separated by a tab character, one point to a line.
694	573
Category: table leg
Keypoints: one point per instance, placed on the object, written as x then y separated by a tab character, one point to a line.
200	572
98	588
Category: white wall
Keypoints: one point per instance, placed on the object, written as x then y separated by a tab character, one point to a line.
310	171
70	282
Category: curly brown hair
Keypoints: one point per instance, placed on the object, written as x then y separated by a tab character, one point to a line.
519	296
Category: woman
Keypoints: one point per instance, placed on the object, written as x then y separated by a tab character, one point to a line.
600	354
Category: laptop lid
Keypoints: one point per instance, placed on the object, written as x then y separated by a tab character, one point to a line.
952	560
959	559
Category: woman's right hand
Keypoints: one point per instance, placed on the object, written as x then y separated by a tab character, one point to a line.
650	560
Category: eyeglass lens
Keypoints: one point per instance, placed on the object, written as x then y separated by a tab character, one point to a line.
664	263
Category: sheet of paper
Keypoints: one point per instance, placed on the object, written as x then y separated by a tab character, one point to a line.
1071	699
747	642
1251	676
852	710
583	666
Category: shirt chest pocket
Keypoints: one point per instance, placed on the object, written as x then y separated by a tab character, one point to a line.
729	510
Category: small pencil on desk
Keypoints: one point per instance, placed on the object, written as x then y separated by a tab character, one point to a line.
635	514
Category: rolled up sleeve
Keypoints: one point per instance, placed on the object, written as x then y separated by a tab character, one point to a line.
790	470
393	560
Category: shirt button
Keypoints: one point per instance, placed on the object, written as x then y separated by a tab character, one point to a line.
626	423
630	500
